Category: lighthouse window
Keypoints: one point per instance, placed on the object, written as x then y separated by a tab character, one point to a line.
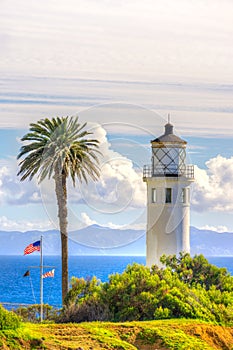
168	195
154	195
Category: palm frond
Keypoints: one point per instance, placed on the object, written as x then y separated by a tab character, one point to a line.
61	143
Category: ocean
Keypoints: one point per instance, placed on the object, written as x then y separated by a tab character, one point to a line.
17	290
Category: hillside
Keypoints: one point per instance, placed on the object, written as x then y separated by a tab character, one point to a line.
153	335
211	243
96	240
92	240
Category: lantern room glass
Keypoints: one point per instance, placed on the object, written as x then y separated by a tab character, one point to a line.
168	161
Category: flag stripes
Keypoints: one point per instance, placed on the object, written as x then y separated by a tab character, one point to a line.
48	274
32	248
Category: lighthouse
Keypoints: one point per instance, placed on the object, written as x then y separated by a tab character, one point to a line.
168	180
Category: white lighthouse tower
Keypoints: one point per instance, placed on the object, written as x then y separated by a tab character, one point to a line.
168	180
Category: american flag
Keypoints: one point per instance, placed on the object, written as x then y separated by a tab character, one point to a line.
32	248
48	274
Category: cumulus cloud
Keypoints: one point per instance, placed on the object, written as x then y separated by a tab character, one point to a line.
213	189
14	192
120	184
87	220
119	188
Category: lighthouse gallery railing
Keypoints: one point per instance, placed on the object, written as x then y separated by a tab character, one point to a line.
158	170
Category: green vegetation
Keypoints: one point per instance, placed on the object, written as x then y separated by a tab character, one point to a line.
186	288
160	335
198	270
9	328
32	313
8	319
189	303
59	148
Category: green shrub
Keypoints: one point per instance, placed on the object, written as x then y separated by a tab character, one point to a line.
186	288
32	313
8	320
162	313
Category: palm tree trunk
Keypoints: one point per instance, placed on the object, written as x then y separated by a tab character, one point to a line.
61	193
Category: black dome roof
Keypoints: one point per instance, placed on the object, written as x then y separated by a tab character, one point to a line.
168	136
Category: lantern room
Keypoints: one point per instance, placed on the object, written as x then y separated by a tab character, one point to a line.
168	156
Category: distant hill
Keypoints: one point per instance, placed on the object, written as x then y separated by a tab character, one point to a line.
97	240
92	240
211	243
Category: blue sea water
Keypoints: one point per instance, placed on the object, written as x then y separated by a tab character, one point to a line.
14	288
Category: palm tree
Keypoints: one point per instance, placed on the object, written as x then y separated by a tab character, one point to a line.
59	148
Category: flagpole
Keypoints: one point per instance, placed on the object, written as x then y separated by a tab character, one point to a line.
38	245
41	279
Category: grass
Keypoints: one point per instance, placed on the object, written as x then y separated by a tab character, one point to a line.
149	335
22	338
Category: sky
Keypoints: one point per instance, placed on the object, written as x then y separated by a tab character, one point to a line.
122	66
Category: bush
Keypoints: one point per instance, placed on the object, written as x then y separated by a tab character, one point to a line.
8	320
84	302
198	270
86	311
32	313
162	313
186	288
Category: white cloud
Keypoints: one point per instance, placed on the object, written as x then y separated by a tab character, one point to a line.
163	38
120	188
134	226
12	191
61	53
23	225
209	105
87	220
213	188
120	185
219	228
